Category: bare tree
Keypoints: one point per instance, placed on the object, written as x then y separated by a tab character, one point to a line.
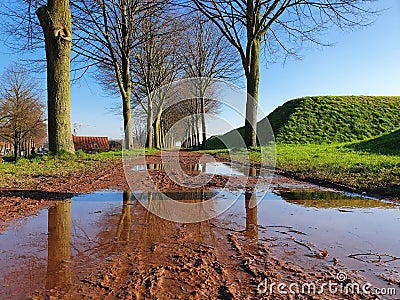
253	25
139	127
208	56
21	110
107	35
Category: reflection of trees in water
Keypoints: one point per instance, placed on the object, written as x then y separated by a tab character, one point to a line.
137	227
125	220
59	253
131	226
29	272
251	208
251	215
155	229
327	199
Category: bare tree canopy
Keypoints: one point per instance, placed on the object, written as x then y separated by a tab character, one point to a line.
254	25
105	37
206	52
108	33
21	110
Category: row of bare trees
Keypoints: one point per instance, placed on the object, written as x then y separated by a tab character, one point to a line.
137	46
140	48
22	120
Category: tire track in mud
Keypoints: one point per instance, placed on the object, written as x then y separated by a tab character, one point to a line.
181	269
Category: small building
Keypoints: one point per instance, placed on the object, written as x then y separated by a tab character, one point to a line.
91	144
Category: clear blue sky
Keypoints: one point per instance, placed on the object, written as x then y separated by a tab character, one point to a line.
362	62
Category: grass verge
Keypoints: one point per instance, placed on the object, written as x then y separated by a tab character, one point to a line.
334	164
28	172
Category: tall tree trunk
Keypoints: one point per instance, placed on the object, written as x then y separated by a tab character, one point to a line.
190	135
163	141
17	149
193	131
157	129
126	78
149	139
126	112
203	122
252	78
198	130
55	20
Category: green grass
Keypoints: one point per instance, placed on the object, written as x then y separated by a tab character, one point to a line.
388	144
324	120
326	199
331	119
336	164
26	173
348	141
341	165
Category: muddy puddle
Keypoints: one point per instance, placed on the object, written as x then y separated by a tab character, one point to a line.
359	233
59	244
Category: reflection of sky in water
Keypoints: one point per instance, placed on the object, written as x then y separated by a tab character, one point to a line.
217	168
373	229
139	168
356	229
342	232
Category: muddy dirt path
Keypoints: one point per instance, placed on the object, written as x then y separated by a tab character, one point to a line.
153	258
18	202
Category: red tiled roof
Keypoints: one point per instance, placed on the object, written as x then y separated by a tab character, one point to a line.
91	143
2	143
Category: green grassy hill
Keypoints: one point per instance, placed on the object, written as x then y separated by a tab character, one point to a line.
328	119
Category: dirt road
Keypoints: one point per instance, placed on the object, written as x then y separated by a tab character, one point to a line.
160	259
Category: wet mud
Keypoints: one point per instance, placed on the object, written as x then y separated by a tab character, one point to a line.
89	248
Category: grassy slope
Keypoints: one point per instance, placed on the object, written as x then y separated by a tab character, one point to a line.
342	165
329	119
335	119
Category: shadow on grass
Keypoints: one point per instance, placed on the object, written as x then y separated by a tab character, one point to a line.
387	144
